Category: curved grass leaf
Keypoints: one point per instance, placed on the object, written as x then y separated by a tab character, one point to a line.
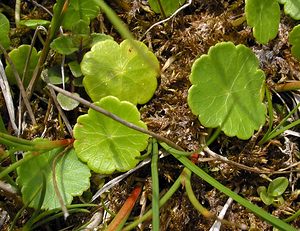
4	31
118	70
226	90
292	8
18	56
71	174
264	17
105	144
294	40
80	10
167	6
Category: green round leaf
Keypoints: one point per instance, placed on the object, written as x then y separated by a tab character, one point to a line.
18	56
4	31
64	45
80	10
294	40
105	144
278	186
226	90
72	178
292	8
168	6
262	191
118	70
264	17
66	102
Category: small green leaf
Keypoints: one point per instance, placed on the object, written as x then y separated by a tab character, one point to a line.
33	23
264	17
97	37
226	90
105	144
67	103
278	186
294	40
72	178
75	69
4	31
292	8
80	10
118	70
168	6
64	45
19	56
262	191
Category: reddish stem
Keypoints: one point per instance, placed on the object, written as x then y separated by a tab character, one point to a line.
125	211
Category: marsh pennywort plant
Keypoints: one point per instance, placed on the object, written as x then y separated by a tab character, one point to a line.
227	90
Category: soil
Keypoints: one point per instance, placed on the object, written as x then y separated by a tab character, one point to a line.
177	44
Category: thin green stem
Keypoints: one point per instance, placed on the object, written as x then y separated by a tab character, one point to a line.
155	186
173	150
287	117
16	140
276	131
280	131
46	220
162	201
191	195
254	208
293	217
271	117
15	165
54	211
